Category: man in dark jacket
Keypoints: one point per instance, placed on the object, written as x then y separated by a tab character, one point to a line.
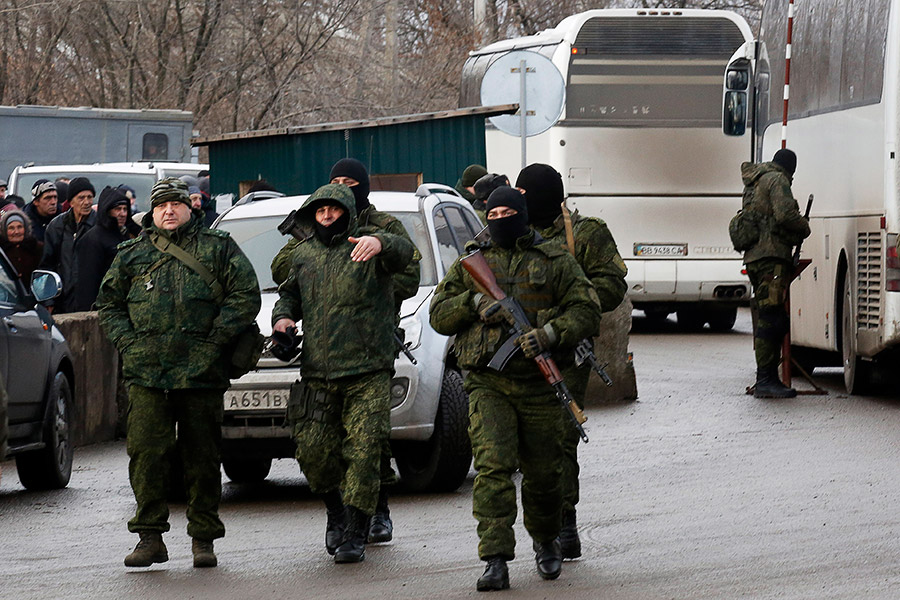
594	248
341	285
515	422
770	202
96	250
175	333
42	208
63	234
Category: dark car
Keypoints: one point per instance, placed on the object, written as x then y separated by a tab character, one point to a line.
37	370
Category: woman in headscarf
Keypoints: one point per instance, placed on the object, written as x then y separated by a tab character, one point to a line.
20	246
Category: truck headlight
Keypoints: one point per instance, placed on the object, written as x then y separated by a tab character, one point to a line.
412	327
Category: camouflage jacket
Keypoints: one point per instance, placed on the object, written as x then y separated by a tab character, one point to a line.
767	195
597	255
163	318
406	282
546	281
347	307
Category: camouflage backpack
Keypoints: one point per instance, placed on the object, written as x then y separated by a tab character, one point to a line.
744	230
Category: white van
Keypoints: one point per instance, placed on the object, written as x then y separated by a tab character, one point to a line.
140	176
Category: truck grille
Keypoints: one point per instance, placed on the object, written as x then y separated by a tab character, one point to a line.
868	279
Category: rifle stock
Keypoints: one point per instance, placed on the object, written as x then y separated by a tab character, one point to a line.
476	266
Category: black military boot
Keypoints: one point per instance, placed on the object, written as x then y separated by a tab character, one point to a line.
353	546
149	550
768	385
569	542
495	577
381	528
204	555
336	520
548	557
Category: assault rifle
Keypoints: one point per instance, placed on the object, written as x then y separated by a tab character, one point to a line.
475	264
585	354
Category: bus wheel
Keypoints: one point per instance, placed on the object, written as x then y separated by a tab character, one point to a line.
856	371
722	319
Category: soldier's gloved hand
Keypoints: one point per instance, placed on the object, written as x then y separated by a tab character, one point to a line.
490	311
536	341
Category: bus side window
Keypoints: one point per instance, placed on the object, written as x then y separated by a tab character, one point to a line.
155	146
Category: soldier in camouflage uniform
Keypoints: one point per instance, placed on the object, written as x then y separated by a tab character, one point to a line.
767	196
514	418
595	250
174	334
353	174
342	286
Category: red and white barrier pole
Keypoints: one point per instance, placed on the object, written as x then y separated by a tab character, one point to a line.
787	72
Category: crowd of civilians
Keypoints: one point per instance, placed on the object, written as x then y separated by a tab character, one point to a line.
62	229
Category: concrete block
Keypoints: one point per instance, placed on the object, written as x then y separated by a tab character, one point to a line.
96	365
611	347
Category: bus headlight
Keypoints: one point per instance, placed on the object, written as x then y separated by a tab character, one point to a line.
412	327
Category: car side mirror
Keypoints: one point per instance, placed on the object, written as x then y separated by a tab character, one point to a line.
45	285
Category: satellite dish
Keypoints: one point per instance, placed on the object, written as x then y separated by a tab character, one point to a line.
541	93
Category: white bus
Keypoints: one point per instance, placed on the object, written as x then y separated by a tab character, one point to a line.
639	144
843	125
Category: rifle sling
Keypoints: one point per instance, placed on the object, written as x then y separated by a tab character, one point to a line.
166	246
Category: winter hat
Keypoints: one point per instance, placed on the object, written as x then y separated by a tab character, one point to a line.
487	184
193	189
41	186
787	160
354	169
78	185
13	217
170	189
507	196
543	193
471	174
110	198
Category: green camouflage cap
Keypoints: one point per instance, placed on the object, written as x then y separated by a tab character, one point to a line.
170	189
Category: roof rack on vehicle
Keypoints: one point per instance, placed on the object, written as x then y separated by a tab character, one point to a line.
427	189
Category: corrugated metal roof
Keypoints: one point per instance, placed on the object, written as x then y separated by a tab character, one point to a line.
485	111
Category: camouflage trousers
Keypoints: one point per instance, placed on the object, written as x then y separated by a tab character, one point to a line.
514	423
152	447
341	433
770	278
576	379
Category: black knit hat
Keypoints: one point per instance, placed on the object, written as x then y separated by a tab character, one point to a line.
354	169
507	196
78	185
544	193
787	160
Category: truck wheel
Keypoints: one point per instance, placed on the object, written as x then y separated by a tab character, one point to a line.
247	470
722	319
51	467
442	463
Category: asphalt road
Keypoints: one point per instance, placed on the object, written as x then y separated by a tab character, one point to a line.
694	491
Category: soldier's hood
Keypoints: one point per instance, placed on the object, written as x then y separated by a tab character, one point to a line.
334	192
751	172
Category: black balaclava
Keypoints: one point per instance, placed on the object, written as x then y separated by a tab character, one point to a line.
787	160
350	167
544	193
335	232
505	231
